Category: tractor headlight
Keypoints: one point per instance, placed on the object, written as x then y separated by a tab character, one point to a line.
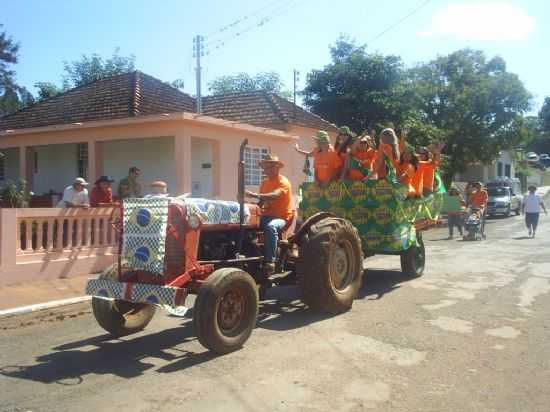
194	221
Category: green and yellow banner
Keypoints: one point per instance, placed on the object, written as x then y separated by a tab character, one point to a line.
379	209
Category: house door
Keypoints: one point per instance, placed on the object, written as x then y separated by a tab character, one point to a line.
201	173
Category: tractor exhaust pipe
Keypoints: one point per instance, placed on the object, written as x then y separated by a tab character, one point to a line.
241	188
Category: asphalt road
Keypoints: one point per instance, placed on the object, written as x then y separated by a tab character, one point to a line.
471	335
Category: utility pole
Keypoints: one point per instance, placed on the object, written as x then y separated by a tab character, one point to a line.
296	80
198	52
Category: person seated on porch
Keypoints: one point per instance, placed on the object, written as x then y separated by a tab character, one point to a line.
327	164
360	160
75	195
158	189
275	196
130	186
102	192
388	148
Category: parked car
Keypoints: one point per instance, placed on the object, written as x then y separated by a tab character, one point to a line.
532	157
504	197
544	159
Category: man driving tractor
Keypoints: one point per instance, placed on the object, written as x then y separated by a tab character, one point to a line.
276	199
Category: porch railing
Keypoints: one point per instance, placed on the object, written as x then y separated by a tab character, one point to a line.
52	243
54	230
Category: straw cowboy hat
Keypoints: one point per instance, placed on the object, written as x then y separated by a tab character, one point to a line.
271	159
322	137
345	130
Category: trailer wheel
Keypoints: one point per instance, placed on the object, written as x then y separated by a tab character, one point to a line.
330	266
119	317
226	310
413	260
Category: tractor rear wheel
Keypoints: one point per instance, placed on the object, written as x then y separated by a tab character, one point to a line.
413	260
226	310
330	266
120	317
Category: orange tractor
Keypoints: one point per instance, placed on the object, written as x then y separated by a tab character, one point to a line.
171	248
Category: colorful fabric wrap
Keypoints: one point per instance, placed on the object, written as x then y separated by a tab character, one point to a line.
379	209
144	226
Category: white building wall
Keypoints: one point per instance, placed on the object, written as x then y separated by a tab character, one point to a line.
154	157
201	176
56	167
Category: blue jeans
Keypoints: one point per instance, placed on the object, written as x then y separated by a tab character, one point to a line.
271	226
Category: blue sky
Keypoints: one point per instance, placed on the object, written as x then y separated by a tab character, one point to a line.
159	34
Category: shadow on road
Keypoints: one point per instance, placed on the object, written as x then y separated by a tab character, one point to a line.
124	358
378	282
521	238
68	364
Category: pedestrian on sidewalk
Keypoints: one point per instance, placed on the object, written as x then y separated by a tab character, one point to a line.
532	203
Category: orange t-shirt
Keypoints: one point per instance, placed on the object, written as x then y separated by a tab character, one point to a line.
479	198
281	206
366	158
405	174
385	149
418	180
428	173
326	165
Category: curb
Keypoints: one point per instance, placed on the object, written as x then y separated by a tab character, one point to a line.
42	306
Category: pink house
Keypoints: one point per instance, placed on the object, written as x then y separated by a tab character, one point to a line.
132	119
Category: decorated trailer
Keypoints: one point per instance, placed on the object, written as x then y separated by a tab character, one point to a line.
387	221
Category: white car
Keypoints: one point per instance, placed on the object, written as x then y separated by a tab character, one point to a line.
532	157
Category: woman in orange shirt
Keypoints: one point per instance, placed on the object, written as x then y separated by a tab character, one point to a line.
429	161
327	163
388	148
360	160
406	170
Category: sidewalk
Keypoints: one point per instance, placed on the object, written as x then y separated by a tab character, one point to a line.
25	294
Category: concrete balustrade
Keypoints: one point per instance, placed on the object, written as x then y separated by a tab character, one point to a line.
54	243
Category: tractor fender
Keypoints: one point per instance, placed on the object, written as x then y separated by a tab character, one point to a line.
317	217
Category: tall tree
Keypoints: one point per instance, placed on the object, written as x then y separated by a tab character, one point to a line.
544	116
243	82
89	69
357	88
476	104
12	96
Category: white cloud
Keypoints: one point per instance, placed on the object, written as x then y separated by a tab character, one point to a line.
482	21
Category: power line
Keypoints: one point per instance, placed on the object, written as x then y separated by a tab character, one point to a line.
285	8
242	19
398	22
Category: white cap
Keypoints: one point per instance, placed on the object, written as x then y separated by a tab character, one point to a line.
80	181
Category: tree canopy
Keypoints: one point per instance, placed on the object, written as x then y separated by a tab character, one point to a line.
243	82
357	88
12	96
465	100
476	104
544	116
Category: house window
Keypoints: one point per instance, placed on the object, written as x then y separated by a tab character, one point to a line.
82	160
252	170
499	169
35	162
2	169
508	170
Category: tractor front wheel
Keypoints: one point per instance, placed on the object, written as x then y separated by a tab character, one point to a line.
120	317
413	260
226	310
330	266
